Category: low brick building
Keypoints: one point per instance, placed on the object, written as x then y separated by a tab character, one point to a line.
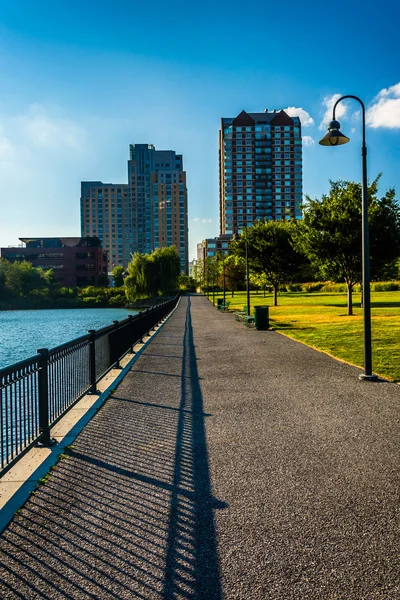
76	261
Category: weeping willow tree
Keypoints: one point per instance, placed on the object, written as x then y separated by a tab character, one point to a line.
152	274
168	269
136	283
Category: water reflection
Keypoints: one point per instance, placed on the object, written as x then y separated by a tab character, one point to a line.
23	331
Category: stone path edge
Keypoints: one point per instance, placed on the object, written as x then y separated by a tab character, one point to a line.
19	498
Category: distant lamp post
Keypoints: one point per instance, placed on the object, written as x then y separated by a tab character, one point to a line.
247	275
221	259
223	277
213	283
335	137
204	270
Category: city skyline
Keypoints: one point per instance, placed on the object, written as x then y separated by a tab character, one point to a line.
79	85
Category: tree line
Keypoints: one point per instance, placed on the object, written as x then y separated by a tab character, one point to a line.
326	244
24	286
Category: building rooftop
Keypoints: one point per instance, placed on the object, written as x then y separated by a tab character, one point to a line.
259	117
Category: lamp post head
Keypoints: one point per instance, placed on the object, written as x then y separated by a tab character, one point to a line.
334	137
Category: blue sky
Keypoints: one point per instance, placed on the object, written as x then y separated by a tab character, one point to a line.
80	81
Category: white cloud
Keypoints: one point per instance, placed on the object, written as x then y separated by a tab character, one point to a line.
328	103
36	130
308	140
304	116
42	129
385	112
199	220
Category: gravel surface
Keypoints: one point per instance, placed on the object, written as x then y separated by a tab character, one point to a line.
229	464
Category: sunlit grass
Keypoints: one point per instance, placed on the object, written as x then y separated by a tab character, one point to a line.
320	320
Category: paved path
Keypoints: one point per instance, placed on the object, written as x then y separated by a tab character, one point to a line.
230	463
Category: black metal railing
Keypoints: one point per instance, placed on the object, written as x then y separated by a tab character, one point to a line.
35	393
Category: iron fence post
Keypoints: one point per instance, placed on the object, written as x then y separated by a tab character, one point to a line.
117	365
148	331
130	317
44	397
92	361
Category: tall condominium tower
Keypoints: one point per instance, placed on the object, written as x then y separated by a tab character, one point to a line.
147	213
158	197
260	158
106	213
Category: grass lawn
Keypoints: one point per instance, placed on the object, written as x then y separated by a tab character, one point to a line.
320	320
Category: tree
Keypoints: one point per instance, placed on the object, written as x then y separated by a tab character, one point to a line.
4	264
330	234
168	269
118	276
270	251
22	278
198	273
136	285
259	281
187	283
151	274
51	283
235	272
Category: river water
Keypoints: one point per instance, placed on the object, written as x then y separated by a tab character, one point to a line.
22	332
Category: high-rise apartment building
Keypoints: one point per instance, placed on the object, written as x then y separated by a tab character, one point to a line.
147	213
261	175
158	199
106	213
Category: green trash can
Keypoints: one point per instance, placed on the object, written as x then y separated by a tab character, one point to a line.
261	317
220	302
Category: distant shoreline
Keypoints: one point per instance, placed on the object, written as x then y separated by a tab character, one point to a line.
34	303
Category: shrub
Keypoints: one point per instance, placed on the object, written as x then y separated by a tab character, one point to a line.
95	300
334	287
117	300
313	287
385	286
294	287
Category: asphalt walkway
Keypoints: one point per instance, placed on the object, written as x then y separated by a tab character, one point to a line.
229	464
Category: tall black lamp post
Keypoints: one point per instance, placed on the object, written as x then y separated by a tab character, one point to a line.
247	276
213	282
204	270
335	137
221	259
223	277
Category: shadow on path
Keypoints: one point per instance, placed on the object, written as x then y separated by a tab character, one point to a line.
129	513
191	452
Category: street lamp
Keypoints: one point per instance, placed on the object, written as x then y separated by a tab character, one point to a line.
221	259
204	270
247	275
223	276
335	137
213	282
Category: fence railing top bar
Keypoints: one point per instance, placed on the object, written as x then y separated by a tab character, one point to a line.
67	345
19	365
103	331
